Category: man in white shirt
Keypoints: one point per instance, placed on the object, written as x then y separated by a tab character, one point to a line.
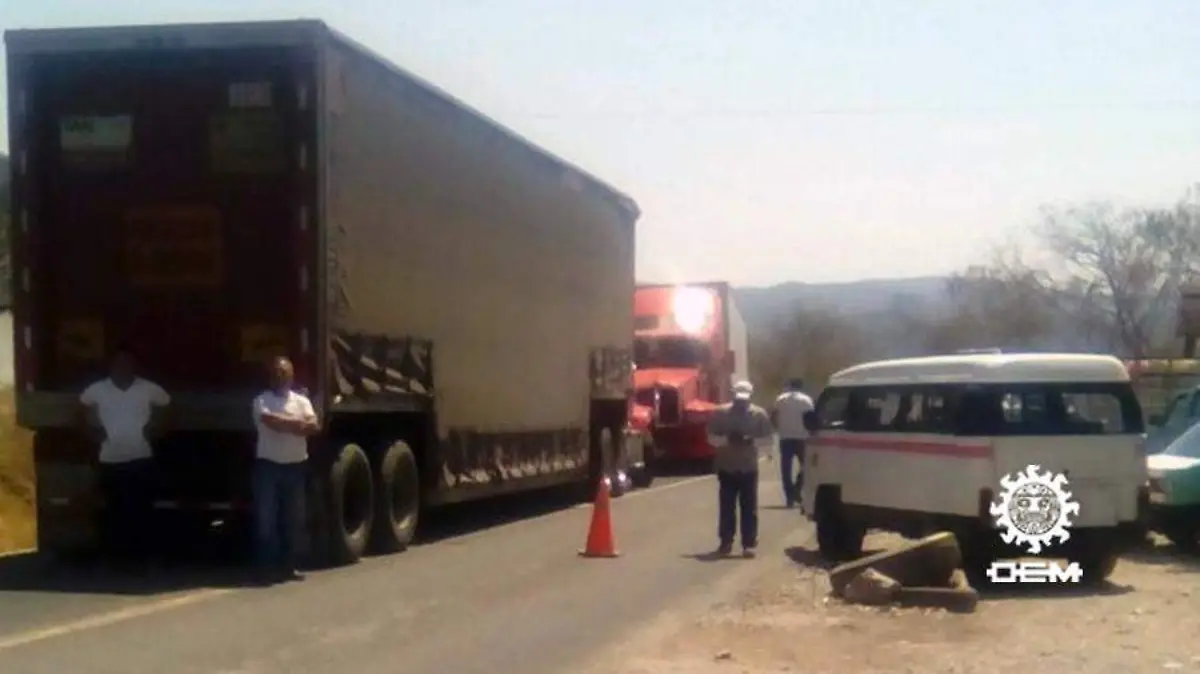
788	418
284	419
123	413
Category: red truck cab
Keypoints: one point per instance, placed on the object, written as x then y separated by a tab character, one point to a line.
690	346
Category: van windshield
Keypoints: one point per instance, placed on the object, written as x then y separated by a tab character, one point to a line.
1049	409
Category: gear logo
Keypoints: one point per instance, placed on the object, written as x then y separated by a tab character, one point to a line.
1034	509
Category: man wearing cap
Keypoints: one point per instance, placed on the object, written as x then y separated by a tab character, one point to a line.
737	431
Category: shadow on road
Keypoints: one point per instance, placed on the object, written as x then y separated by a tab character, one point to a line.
222	562
714	556
466	518
990	591
811	558
1165	554
32	572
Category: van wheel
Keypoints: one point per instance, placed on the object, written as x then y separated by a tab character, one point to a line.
1097	566
352	500
397	500
838	539
1185	537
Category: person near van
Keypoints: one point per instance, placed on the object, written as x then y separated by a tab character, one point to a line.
737	430
788	419
284	419
124	414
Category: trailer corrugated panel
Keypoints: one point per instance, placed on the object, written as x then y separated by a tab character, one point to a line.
737	338
443	228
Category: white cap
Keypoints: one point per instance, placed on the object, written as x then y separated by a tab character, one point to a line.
742	390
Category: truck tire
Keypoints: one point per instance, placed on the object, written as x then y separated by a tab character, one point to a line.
351	504
397	499
643	474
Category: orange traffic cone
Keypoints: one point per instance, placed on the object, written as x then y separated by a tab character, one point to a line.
600	540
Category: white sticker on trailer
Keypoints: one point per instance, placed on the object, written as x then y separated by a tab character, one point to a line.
250	95
93	132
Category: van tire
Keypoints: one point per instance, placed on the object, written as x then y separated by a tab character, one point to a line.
351	505
838	539
1097	566
397	499
1185	537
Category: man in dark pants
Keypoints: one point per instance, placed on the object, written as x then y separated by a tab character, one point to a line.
284	419
737	430
788	419
123	413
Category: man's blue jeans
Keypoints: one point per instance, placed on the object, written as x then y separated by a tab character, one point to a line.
790	449
737	496
279	514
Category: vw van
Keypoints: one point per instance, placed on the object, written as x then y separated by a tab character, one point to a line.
919	445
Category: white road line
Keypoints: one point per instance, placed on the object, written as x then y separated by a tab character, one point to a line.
110	618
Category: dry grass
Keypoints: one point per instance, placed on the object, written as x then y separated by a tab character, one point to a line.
17	521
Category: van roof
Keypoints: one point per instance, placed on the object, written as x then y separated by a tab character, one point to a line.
985	368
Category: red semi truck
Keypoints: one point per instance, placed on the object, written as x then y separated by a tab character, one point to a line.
690	346
455	299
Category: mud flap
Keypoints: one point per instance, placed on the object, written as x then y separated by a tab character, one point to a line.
68	507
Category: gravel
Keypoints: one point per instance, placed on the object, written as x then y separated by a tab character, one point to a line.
1144	620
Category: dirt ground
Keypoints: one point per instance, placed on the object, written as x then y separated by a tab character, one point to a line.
1146	619
17	526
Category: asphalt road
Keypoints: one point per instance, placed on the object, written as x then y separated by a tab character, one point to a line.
507	598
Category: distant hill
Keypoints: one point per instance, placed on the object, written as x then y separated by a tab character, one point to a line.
874	305
763	307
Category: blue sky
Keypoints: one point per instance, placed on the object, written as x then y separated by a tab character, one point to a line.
798	140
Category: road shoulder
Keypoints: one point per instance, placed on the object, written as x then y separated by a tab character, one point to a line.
781	619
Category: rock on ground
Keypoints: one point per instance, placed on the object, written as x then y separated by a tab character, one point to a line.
870	588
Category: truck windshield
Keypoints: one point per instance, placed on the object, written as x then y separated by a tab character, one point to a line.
669	352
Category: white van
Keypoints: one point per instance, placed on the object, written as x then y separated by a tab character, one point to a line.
919	445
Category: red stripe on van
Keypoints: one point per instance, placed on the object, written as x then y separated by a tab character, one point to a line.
947	449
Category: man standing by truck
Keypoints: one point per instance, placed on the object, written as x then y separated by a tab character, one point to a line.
124	414
788	418
284	419
737	430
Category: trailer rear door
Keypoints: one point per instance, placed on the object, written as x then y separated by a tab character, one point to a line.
170	212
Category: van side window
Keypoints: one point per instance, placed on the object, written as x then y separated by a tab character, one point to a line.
901	409
1050	409
832	408
884	411
929	413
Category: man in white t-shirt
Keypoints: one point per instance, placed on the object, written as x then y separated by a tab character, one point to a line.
788	419
284	419
123	413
